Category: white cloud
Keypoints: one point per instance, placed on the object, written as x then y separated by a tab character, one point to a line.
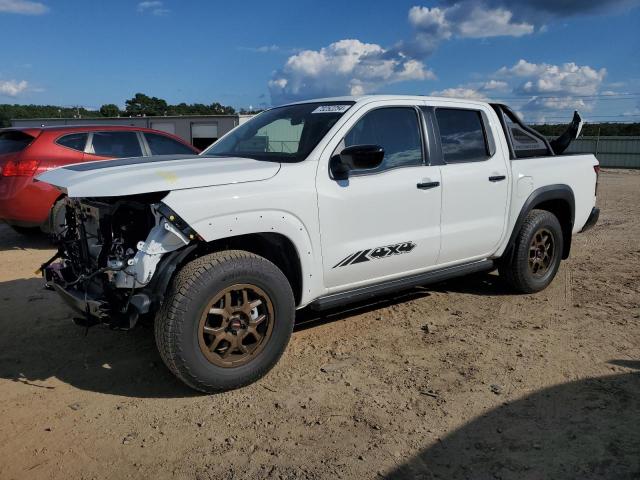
154	7
547	88
466	19
537	90
537	12
495	85
557	103
483	23
23	7
566	79
354	67
431	20
261	49
460	92
13	88
474	91
346	67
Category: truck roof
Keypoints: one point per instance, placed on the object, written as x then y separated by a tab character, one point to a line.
361	99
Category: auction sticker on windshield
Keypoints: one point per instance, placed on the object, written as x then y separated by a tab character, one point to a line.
331	109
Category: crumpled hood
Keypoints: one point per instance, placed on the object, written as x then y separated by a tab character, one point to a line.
130	176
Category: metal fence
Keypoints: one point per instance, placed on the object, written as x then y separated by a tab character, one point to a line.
616	152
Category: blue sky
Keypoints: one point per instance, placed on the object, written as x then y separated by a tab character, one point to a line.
544	57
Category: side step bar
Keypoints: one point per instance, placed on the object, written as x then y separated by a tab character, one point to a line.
391	286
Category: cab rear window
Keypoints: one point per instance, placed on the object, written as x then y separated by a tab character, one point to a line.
14	141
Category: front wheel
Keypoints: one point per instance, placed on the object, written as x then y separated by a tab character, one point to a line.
56	222
226	320
537	251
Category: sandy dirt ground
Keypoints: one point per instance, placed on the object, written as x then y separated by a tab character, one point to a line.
459	380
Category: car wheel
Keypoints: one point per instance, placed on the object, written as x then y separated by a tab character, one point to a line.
26	231
57	222
225	321
536	255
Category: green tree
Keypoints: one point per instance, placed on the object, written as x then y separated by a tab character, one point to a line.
218	109
143	105
109	110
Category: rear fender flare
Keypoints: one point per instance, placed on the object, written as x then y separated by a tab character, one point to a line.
537	197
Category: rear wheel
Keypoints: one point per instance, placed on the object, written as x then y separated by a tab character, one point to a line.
536	255
226	320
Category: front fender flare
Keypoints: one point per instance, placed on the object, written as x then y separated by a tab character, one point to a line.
266	221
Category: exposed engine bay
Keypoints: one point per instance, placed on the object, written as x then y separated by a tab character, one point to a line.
113	255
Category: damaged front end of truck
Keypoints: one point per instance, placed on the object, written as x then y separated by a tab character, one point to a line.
116	257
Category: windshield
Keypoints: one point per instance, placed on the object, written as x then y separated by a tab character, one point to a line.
283	134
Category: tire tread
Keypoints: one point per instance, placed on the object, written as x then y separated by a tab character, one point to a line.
513	268
168	324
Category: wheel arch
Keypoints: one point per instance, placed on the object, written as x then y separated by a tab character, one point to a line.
276	234
558	199
275	247
47	225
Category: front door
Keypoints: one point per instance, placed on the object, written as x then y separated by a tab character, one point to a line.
380	223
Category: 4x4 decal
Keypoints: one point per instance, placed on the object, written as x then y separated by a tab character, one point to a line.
376	253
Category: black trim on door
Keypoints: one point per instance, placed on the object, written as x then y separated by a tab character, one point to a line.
435	149
497	178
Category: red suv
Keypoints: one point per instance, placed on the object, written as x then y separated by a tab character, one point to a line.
27	152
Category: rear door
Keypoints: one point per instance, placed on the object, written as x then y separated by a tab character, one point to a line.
475	184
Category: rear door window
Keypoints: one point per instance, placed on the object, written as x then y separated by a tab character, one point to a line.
462	135
75	141
116	144
12	142
161	145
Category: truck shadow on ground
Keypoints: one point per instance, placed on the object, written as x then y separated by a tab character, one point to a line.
588	429
39	343
485	284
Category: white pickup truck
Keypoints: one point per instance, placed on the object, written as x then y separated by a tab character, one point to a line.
313	204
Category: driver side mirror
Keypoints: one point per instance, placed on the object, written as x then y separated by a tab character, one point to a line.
355	157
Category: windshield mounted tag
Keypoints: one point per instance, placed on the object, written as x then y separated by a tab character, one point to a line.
331	109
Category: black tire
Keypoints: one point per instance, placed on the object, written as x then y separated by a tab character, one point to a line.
516	269
178	323
26	231
56	223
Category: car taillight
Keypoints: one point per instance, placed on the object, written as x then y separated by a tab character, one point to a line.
596	168
21	168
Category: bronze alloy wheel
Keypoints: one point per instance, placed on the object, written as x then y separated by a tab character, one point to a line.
541	251
236	325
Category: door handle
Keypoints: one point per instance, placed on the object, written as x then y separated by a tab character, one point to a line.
497	178
427	185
